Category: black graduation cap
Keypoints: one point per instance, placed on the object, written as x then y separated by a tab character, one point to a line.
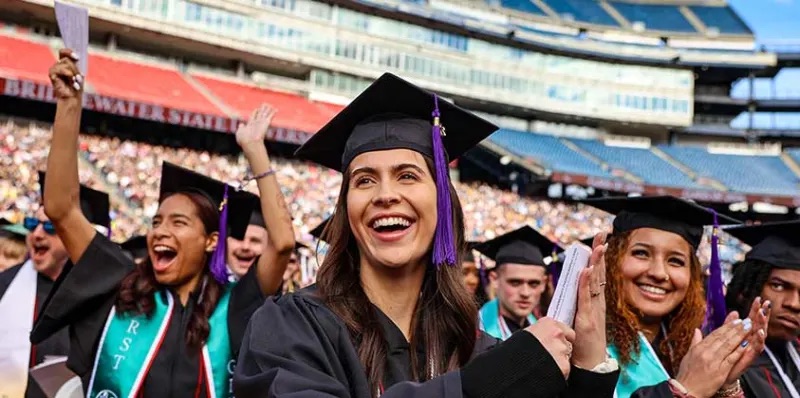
390	114
136	246
684	218
666	213
317	231
257	218
235	206
395	114
240	204
523	246
95	204
469	257
773	243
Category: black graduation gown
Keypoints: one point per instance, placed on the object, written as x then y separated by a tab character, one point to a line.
660	390
762	379
55	345
307	352
85	296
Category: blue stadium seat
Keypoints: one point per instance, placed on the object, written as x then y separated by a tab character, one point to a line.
794	153
522	5
723	18
588	11
655	16
641	162
742	173
549	151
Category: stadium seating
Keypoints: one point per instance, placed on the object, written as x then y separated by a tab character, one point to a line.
794	153
660	17
294	112
163	86
723	18
25	59
522	5
588	11
641	162
547	150
742	173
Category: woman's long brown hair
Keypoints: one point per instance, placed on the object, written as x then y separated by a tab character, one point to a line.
623	320
445	319
138	289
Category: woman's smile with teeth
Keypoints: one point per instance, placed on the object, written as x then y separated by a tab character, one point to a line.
390	221
652	289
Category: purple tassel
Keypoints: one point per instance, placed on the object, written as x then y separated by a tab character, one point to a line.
482	273
444	248
715	299
219	268
555	270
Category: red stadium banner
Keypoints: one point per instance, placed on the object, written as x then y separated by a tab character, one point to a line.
700	195
31	90
122	107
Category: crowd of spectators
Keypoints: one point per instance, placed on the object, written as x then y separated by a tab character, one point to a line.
129	171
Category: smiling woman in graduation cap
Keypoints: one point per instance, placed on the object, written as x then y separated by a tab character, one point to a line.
522	260
389	315
655	288
170	326
771	271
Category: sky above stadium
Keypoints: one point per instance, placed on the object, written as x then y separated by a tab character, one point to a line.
775	23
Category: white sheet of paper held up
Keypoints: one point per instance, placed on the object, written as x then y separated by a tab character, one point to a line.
73	23
565	298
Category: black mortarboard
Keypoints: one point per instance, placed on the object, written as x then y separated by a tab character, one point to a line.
666	213
523	246
257	218
469	257
235	207
773	243
317	231
95	204
395	114
136	246
684	218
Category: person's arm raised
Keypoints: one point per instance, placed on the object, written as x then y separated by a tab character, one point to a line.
62	186
273	261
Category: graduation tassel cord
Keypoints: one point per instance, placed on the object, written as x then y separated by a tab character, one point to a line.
716	311
444	251
219	268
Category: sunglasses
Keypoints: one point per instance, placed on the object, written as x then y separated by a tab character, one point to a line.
31	223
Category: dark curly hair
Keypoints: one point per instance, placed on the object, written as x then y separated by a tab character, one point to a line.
749	278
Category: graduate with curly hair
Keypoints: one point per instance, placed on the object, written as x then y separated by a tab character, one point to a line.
657	304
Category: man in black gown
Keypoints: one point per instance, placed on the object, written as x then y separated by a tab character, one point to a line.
771	270
19	307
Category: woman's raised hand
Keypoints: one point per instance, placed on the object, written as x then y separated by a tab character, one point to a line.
65	77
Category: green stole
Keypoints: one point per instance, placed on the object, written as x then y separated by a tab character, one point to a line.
130	343
493	324
644	370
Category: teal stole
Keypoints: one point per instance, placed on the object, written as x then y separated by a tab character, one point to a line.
644	370
130	343
493	324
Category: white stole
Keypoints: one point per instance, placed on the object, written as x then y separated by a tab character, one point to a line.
16	322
